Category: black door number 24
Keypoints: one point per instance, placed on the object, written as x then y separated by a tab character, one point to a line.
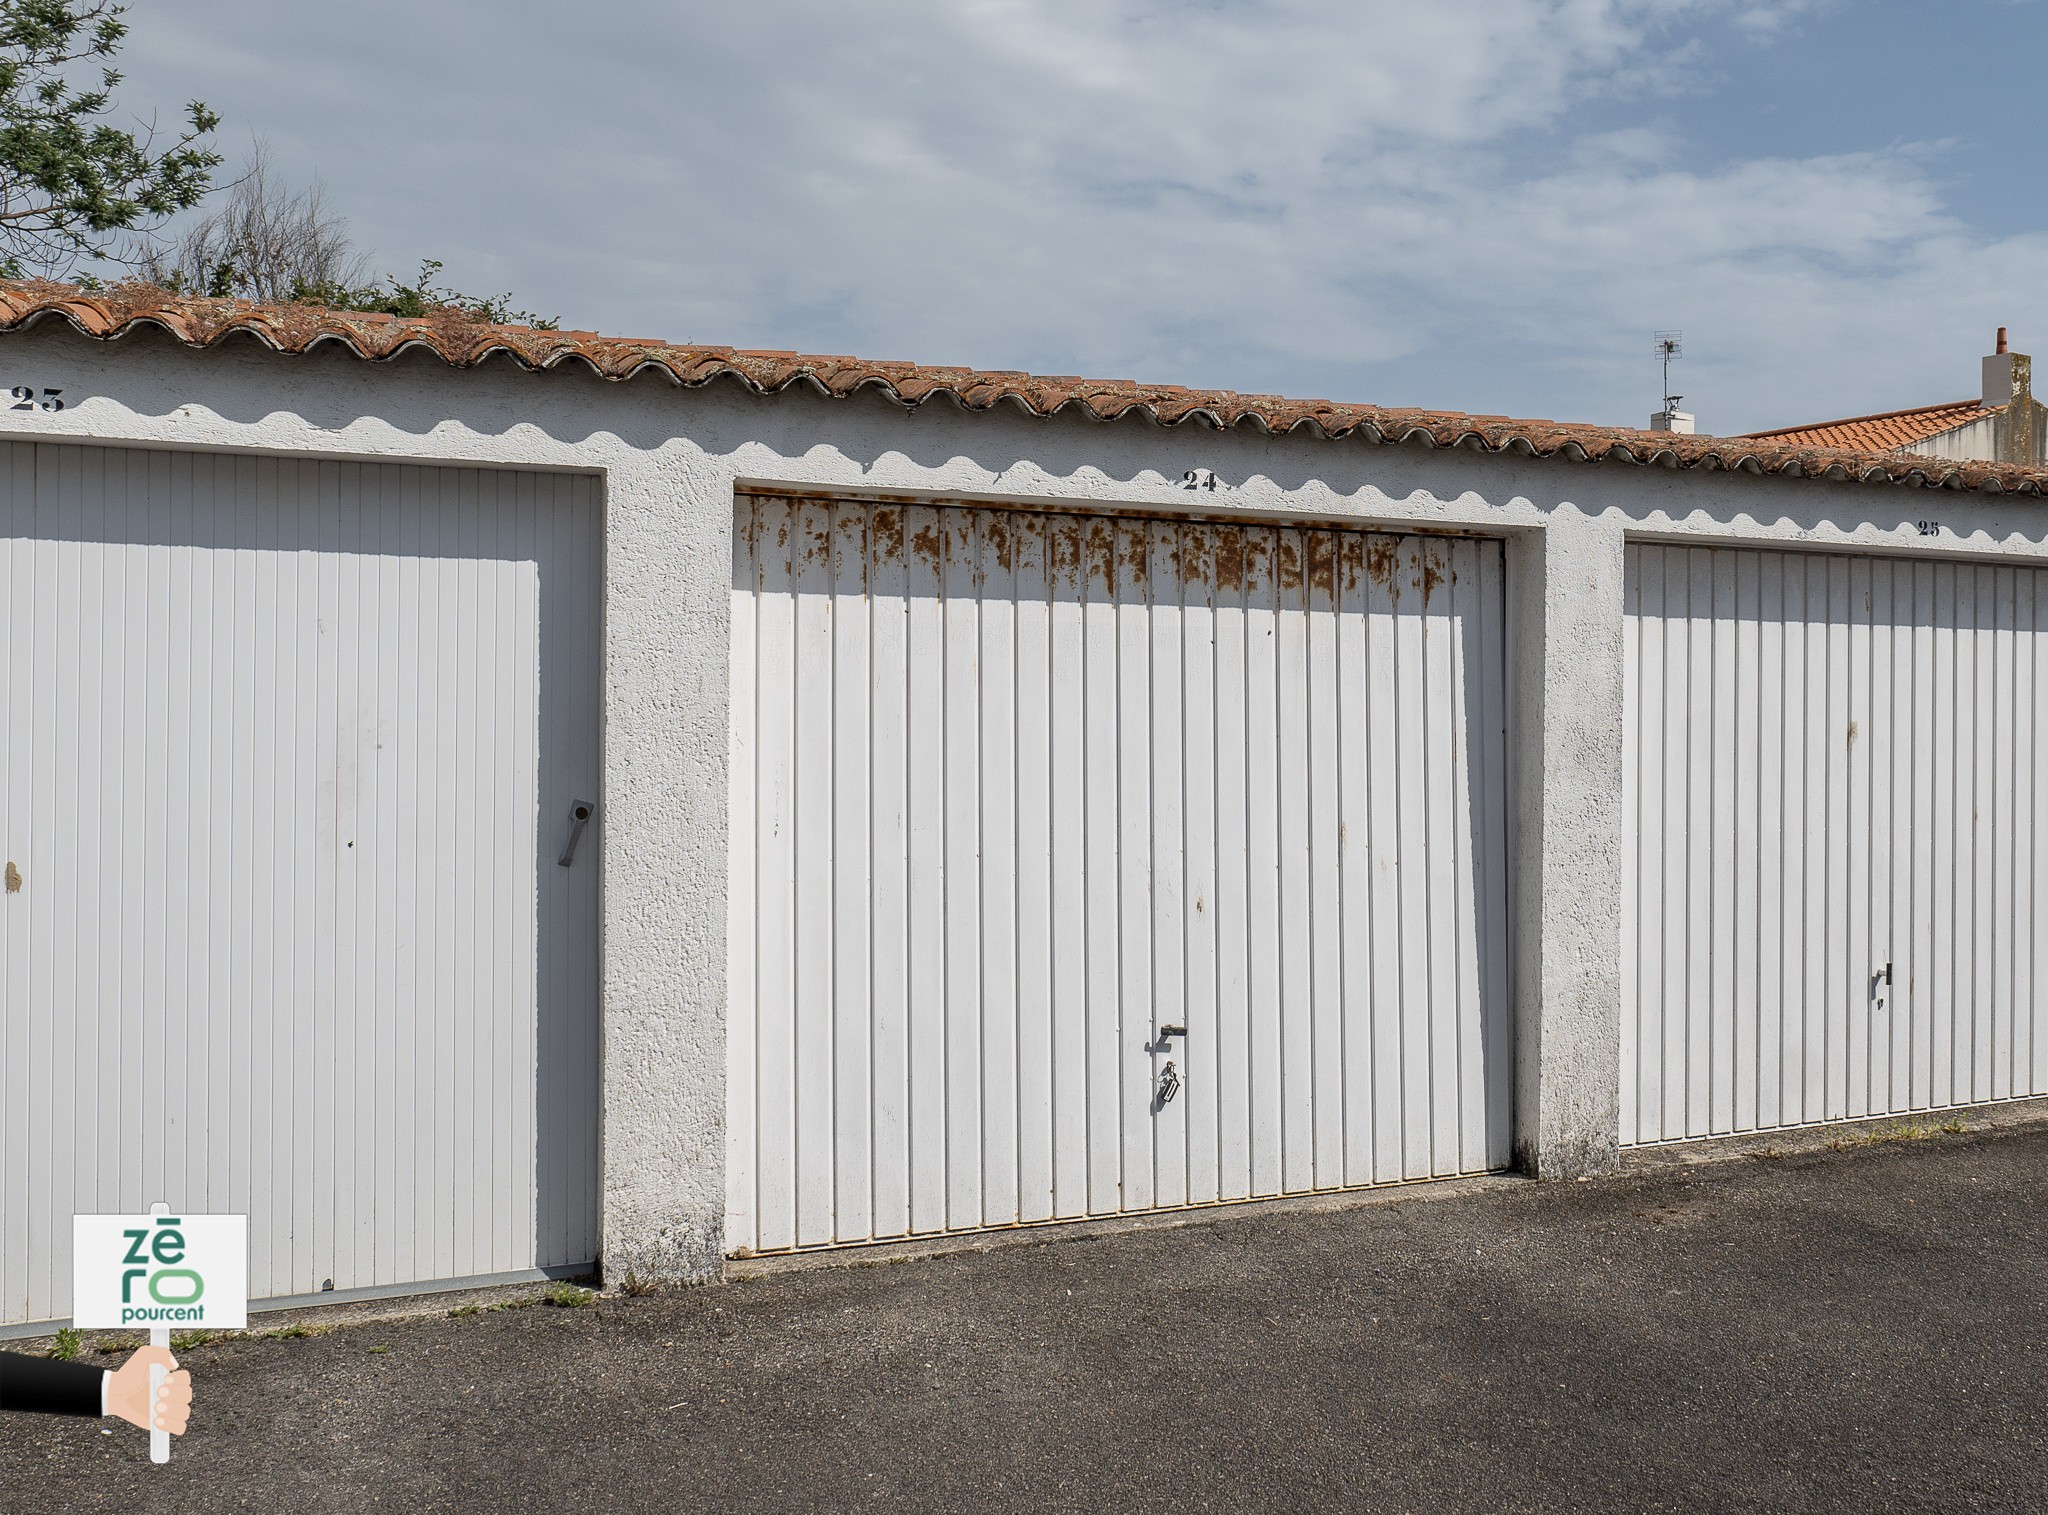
25	399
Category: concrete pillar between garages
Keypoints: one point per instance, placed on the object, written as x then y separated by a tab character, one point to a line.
662	830
1566	674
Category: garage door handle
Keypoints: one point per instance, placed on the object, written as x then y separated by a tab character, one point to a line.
579	817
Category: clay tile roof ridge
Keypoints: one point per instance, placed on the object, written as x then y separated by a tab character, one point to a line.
109	314
1945	407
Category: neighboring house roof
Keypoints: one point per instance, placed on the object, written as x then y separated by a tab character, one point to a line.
1882	432
110	314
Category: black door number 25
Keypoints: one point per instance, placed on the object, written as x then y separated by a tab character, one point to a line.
25	399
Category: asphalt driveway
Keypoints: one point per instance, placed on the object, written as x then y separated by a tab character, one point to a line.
1865	1329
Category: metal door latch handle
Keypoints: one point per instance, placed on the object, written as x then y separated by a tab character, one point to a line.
1882	976
1169	1084
579	817
1166	1031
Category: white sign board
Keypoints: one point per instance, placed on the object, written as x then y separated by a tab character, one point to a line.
161	1272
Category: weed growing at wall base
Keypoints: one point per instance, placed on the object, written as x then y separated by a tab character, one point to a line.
1899	1131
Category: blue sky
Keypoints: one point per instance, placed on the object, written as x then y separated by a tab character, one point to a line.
1483	205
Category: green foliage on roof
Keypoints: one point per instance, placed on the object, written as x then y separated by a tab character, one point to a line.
423	297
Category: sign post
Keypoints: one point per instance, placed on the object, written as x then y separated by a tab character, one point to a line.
159	1336
157	1270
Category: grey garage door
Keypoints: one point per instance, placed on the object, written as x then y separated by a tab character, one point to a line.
287	752
1839	894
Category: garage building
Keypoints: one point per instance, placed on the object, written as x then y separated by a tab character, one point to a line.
488	802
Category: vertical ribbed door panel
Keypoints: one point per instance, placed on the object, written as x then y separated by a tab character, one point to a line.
285	745
1836	873
1013	791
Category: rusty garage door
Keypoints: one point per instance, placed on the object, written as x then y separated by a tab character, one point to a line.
1085	865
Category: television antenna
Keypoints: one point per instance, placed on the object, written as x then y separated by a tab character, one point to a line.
1670	344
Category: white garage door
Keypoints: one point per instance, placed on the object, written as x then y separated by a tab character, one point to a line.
1840	892
1013	794
287	754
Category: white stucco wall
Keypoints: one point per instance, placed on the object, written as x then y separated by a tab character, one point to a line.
1976	441
671	459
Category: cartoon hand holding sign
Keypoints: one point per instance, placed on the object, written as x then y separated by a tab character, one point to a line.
154	1270
150	1390
69	1388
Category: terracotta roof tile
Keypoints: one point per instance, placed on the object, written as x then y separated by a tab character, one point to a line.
1884	431
110	314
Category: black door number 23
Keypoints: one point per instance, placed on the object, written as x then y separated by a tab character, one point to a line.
25	399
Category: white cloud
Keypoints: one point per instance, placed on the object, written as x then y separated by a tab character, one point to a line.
1377	201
